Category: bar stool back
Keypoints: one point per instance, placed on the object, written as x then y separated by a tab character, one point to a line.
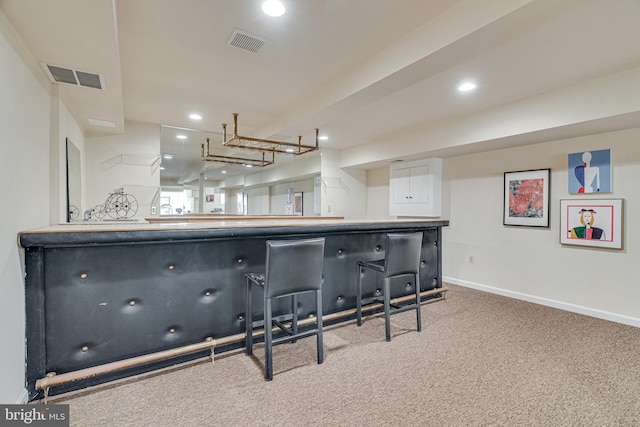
402	257
292	267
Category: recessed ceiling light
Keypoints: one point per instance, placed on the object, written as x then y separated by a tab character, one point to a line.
273	7
289	150
248	166
181	136
162	168
223	171
466	86
168	156
195	116
323	138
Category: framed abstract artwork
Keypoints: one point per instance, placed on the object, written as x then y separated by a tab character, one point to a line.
595	222
297	204
526	198
590	172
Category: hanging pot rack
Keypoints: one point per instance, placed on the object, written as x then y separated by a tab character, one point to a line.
233	160
265	145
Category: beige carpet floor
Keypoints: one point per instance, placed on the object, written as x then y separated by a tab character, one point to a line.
480	360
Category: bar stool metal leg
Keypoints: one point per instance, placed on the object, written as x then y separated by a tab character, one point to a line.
418	316
294	320
359	295
268	341
387	308
248	321
319	326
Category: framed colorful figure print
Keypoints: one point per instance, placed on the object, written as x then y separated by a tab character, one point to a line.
526	198
594	222
590	172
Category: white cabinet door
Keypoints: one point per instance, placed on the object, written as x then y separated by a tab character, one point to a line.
414	188
400	185
419	184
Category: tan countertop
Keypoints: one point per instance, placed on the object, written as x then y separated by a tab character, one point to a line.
143	225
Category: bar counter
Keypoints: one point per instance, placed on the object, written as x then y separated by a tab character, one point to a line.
103	292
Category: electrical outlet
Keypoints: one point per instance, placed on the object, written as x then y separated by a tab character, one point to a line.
328	208
153	210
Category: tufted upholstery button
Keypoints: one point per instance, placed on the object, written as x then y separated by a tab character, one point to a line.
378	247
422	263
85	349
172	330
241	317
207	294
132	303
339	298
240	261
377	291
339	251
172	267
83	276
408	285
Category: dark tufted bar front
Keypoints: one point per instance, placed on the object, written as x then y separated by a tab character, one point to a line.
96	294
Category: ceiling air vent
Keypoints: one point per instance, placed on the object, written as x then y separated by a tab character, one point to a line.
246	41
74	77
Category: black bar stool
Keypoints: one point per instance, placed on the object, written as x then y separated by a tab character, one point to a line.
292	267
402	257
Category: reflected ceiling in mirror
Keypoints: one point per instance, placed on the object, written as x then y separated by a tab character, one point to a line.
182	162
182	157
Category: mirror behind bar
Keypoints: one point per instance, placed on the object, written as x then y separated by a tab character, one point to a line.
74	182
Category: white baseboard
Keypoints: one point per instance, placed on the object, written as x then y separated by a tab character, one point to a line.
600	314
23	398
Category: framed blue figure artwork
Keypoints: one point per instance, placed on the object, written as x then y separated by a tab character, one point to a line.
590	172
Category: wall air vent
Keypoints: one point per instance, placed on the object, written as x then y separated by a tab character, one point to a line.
246	41
73	77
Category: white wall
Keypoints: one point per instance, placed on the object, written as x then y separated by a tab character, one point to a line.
378	193
125	160
257	201
344	191
529	263
25	107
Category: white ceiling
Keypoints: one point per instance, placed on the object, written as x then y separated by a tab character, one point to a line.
363	71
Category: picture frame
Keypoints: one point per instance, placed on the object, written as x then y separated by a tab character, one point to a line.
592	222
298	204
590	172
526	198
